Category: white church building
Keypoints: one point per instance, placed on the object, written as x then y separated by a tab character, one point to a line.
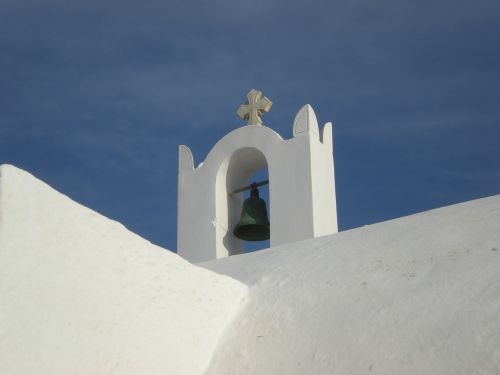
80	294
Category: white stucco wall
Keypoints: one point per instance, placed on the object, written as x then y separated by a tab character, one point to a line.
416	295
80	294
301	187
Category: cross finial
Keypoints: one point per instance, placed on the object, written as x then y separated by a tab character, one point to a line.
254	107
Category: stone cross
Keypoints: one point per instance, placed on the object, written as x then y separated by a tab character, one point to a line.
254	107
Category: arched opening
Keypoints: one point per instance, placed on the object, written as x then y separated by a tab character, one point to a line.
236	171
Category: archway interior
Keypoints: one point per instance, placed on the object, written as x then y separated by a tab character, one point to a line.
236	171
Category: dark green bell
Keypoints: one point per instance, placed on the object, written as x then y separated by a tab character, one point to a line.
254	224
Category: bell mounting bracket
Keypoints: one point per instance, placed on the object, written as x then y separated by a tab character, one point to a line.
252	186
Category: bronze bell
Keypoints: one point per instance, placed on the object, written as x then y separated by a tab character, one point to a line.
254	224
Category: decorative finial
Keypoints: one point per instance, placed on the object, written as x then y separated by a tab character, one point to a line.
255	106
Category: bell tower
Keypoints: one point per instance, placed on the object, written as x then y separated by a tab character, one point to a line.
301	184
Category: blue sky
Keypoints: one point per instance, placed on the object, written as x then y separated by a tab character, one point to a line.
96	96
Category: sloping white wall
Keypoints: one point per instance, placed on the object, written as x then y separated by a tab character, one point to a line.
80	294
416	295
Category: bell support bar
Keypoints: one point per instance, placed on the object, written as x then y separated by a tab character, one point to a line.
248	187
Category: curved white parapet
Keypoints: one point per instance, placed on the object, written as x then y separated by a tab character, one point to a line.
301	188
262	138
186	161
327	135
305	121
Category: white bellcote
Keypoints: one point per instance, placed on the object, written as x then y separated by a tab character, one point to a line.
302	199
